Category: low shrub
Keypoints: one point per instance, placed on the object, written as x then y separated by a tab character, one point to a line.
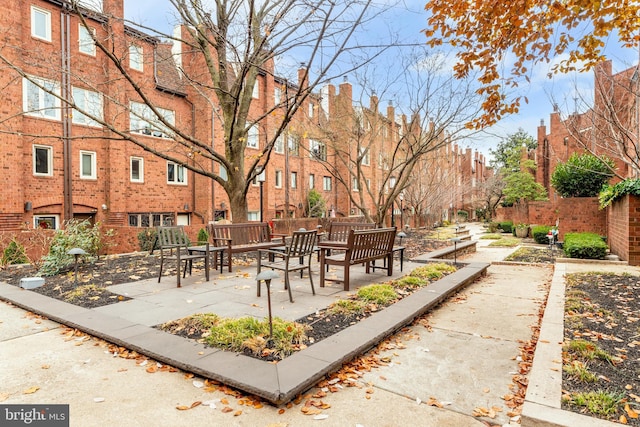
203	236
147	239
14	253
539	233
584	245
377	294
506	226
493	227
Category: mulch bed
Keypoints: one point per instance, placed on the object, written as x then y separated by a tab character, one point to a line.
604	309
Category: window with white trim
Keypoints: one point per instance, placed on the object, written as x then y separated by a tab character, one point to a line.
252	136
48	222
143	120
136	58
38	102
152	219
279	144
40	23
317	150
256	90
253	216
354	184
312	181
326	183
85	40
364	153
278	178
87	165
89	101
136	167
223	173
42	160
277	95
176	174
294	146
294	179
311	106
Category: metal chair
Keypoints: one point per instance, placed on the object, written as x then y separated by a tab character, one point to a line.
301	245
175	238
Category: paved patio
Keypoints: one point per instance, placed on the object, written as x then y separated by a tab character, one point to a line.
131	323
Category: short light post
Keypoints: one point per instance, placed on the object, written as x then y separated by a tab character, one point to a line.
455	241
76	252
268	276
401	235
261	179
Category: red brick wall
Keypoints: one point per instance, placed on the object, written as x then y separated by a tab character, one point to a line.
575	214
624	229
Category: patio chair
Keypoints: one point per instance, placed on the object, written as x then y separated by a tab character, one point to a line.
291	257
175	239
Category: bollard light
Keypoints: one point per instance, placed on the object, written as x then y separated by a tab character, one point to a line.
76	252
401	235
455	241
268	276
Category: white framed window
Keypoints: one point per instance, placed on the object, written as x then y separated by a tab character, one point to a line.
176	174
354	184
312	181
252	136
364	153
317	150
37	101
294	146
183	219
48	222
277	95
278	179
136	169
153	219
89	101
326	183
294	179
223	173
40	23
136	57
279	144
253	216
311	106
256	90
143	120
85	40
42	160
87	165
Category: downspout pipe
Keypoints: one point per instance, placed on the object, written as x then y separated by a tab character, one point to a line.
65	47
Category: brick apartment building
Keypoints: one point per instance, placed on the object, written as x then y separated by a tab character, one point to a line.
60	164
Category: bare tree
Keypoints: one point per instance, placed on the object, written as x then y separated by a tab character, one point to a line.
221	50
372	155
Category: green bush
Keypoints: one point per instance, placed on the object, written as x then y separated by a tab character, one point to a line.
14	253
583	175
75	234
463	215
539	233
584	245
493	227
147	239
506	226
203	236
611	193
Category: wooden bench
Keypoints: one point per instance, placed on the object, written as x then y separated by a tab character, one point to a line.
339	231
176	240
239	238
362	247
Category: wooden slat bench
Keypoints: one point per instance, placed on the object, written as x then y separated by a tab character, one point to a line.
362	247
240	238
339	231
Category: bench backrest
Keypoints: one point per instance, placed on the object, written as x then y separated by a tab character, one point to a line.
172	237
241	234
363	245
339	231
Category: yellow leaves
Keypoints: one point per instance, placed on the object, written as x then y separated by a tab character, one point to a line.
186	408
630	412
31	390
486	412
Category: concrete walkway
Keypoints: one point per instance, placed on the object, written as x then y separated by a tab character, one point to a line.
464	360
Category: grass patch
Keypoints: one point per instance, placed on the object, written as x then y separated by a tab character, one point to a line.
598	402
580	371
491	236
348	307
506	242
83	291
433	271
588	350
381	294
410	282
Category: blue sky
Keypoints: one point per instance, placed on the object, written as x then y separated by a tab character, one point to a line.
542	92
